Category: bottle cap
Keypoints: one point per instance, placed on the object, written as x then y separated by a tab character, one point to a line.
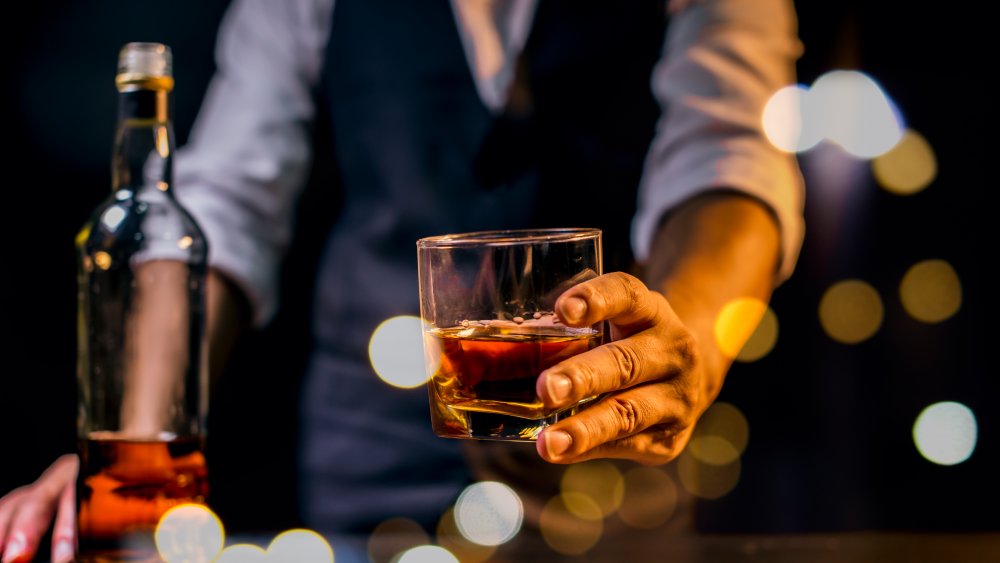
145	65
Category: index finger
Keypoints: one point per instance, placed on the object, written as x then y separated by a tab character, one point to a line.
616	297
622	364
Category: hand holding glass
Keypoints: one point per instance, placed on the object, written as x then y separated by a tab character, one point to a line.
487	300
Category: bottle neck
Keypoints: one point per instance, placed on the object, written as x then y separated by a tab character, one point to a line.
144	142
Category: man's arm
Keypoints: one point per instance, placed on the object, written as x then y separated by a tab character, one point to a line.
720	218
713	250
665	366
246	161
227	316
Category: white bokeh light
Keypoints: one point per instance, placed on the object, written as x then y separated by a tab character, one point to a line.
843	106
396	351
241	553
113	217
301	546
189	533
488	513
945	433
784	122
426	554
851	109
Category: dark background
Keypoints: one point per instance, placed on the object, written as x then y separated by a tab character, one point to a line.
831	445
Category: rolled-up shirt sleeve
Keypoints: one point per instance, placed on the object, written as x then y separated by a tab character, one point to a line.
249	152
722	61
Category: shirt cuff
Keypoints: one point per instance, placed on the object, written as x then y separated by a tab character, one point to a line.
739	165
234	251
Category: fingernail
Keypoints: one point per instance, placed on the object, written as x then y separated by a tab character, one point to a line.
556	442
573	309
15	547
558	387
63	552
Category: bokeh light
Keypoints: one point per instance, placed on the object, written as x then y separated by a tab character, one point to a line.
192	533
489	513
854	112
762	340
846	107
746	329
301	546
600	481
396	350
706	480
102	259
713	450
909	167
945	433
650	498
450	538
394	536
427	554
784	122
242	553
851	311
931	291
189	533
571	533
113	217
726	421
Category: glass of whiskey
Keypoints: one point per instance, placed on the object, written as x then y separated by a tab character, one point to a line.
487	301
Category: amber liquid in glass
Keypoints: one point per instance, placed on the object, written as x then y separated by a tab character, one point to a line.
491	367
125	486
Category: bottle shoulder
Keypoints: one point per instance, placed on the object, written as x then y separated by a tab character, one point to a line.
148	222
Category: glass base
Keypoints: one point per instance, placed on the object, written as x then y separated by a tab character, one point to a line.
451	422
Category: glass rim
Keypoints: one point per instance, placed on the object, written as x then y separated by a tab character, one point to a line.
509	237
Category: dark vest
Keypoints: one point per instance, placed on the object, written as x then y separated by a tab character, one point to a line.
418	154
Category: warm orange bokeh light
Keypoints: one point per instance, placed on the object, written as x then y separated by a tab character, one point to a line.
650	498
909	167
851	311
931	291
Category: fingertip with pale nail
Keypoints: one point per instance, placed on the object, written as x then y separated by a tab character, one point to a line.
553	443
554	388
14	550
572	309
62	552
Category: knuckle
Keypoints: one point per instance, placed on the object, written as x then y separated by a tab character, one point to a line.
637	291
29	510
685	350
628	414
664	445
627	361
633	289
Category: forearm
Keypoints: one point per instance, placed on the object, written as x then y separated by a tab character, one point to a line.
714	249
227	316
157	352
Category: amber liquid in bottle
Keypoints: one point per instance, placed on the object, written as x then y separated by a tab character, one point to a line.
125	486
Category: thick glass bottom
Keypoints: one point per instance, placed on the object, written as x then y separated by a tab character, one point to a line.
451	422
